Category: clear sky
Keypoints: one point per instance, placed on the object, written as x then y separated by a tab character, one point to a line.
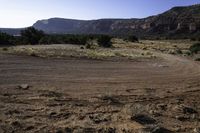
22	13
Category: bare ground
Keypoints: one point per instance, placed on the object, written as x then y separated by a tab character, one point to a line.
105	96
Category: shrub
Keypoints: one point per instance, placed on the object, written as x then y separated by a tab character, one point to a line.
178	51
195	48
132	38
193	39
45	40
31	36
5	49
104	41
6	39
91	44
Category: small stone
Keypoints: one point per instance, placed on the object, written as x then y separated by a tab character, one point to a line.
152	112
155	113
23	86
194	116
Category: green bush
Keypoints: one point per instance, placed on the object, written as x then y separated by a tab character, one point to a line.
195	48
193	39
31	36
6	39
132	38
104	41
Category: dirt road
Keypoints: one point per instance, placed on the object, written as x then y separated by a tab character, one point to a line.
80	95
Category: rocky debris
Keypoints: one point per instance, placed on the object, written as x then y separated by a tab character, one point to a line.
164	66
99	118
154	129
162	107
59	131
54	115
29	128
186	52
51	94
79	130
111	100
23	87
194	116
107	130
89	130
16	124
182	118
1	130
183	109
185	113
11	112
138	108
143	119
196	130
69	130
189	110
155	113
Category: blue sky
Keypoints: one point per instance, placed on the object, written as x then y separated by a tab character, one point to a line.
22	13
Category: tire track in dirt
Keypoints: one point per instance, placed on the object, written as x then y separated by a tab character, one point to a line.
89	95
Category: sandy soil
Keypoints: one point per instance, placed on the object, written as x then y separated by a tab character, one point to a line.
80	95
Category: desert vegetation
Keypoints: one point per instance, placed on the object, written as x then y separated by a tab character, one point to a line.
131	38
6	39
33	36
195	48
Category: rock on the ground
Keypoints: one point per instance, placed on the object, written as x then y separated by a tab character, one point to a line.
23	86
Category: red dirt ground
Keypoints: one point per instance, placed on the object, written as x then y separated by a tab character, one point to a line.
80	95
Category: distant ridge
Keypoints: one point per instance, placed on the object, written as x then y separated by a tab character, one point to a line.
176	21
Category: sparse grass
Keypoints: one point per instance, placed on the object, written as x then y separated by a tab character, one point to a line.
120	49
75	51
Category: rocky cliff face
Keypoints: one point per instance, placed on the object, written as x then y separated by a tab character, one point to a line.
176	20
